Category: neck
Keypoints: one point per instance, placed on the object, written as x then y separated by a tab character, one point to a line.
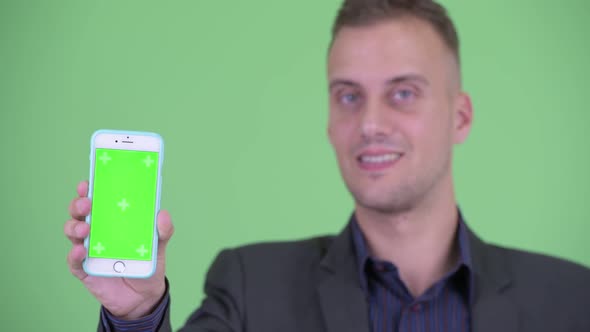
420	242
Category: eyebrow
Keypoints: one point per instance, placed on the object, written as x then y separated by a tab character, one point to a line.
337	82
409	77
394	80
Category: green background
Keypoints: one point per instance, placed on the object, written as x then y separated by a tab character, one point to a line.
238	92
125	176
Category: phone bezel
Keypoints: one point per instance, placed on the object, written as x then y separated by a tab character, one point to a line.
134	141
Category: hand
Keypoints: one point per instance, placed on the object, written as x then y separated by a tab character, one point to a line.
124	298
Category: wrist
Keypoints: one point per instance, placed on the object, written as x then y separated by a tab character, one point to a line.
148	305
139	318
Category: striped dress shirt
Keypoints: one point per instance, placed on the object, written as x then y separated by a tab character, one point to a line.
444	307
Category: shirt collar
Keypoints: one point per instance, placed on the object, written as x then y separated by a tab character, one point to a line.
462	238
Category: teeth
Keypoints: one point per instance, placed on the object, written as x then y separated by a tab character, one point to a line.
380	158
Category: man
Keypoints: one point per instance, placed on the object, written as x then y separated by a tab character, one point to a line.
406	260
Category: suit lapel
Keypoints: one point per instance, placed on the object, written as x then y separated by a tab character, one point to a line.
495	313
492	309
342	299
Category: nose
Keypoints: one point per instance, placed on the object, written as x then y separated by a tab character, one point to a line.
374	122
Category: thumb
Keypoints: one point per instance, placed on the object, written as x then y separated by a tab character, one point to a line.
165	229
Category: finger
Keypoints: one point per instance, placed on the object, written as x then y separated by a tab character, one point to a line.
76	230
82	189
80	208
75	258
165	228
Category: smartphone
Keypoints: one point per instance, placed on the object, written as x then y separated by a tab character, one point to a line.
124	188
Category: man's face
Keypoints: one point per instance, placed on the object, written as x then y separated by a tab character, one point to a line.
395	113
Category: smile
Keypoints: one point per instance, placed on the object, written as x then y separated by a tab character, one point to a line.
378	162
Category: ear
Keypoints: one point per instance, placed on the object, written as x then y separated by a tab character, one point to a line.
463	117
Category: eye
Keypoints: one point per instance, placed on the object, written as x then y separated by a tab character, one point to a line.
403	94
349	98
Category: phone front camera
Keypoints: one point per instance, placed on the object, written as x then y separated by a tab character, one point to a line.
116	141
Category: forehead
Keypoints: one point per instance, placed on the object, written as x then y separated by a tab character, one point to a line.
390	48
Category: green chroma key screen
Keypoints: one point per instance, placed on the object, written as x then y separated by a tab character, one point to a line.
123	204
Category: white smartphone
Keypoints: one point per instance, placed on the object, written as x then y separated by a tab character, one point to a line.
124	188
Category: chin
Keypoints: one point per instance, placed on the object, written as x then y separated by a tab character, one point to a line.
383	201
385	207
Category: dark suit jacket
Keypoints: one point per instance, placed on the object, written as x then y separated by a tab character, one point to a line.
312	285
